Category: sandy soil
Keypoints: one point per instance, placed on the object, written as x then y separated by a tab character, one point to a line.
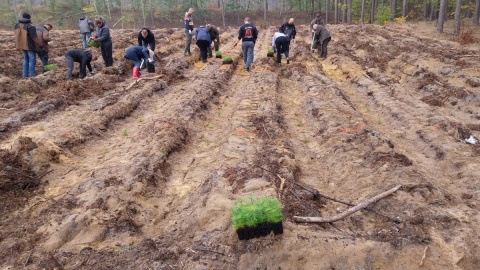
103	174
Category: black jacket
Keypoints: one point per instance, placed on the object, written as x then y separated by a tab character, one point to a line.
81	56
248	32
150	39
289	30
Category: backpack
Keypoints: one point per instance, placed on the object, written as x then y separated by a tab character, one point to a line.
91	26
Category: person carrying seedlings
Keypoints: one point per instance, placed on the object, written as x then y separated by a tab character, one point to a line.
203	42
248	34
188	30
84	57
86	28
137	54
102	35
26	40
281	44
146	39
321	39
215	37
43	37
288	28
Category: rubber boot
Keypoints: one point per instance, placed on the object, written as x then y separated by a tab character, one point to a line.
136	73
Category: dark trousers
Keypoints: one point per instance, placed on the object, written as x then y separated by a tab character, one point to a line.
323	48
43	55
203	46
216	45
106	49
282	45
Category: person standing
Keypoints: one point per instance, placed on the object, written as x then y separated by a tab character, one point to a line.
43	34
102	35
248	34
86	28
203	41
26	40
83	57
288	28
215	37
321	38
136	54
281	44
188	30
318	20
146	38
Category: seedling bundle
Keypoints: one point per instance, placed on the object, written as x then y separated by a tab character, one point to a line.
227	60
50	67
253	218
218	54
93	43
270	53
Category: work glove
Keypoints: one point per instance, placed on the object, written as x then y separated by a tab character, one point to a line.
190	32
94	38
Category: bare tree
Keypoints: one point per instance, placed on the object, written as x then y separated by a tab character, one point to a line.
362	16
456	24
476	12
404	8
393	8
335	18
441	16
373	5
327	10
349	11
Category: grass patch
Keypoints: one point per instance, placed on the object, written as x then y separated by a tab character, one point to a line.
50	67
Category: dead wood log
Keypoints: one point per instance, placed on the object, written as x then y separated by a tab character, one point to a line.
349	211
142	79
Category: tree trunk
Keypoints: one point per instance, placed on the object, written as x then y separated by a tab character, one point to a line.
476	12
327	10
373	4
223	13
335	8
344	11
441	16
456	24
362	16
143	13
16	10
265	7
152	12
349	11
393	8
404	8
108	7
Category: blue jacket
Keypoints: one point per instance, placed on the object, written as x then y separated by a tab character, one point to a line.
136	53
188	21
202	34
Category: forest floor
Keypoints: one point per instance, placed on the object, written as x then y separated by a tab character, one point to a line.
102	173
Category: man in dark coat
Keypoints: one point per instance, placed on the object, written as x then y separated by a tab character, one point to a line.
103	36
136	54
146	38
321	39
203	41
288	28
43	35
80	56
215	37
26	40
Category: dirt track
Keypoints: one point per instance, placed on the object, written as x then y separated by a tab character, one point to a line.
95	176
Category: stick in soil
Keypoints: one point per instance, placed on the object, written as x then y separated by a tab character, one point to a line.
424	256
349	211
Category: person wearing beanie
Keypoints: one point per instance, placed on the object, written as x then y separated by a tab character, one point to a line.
26	40
102	35
43	34
321	38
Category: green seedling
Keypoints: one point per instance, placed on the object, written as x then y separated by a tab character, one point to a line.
50	67
125	132
41	127
227	60
218	54
94	44
270	53
379	120
140	119
252	212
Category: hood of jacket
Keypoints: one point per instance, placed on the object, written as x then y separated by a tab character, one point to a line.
23	20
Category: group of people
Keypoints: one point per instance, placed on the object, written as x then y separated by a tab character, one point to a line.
32	41
248	34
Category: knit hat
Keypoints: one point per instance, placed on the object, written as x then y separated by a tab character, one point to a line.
25	15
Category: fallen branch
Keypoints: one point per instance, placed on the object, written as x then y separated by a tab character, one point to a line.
424	256
349	211
142	79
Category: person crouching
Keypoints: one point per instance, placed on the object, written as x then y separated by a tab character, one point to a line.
80	56
136	54
203	42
